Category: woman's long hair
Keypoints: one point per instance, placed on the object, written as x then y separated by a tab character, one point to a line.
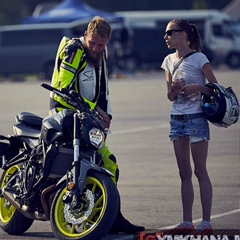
194	38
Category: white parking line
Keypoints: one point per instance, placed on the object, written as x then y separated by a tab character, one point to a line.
139	129
212	217
124	237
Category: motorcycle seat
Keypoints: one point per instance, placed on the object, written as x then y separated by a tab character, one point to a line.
29	119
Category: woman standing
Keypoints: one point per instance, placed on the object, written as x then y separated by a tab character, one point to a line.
186	72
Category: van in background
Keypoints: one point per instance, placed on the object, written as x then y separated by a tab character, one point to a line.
31	48
221	42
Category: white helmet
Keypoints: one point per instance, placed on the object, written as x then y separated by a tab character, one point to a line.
221	109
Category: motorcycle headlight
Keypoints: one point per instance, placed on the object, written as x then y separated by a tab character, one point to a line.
96	137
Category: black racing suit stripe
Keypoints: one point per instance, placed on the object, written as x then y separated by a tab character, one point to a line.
102	101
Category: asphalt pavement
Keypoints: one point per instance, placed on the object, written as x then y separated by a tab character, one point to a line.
149	182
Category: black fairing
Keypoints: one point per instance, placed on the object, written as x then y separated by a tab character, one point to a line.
58	127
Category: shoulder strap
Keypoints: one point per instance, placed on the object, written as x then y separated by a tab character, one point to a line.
180	61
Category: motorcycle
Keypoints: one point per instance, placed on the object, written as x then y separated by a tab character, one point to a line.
52	171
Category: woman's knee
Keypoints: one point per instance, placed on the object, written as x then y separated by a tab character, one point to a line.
201	174
185	174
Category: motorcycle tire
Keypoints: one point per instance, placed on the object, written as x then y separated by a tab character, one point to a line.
102	216
11	221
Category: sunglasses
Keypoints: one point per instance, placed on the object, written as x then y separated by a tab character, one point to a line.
169	32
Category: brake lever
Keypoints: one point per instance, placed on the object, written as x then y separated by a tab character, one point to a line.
80	101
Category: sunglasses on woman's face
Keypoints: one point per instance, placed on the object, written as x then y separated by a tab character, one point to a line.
169	32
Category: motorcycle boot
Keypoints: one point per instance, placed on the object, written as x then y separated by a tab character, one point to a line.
122	225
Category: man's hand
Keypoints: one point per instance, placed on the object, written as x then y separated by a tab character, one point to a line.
103	117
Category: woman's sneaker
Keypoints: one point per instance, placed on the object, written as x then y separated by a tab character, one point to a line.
204	228
184	229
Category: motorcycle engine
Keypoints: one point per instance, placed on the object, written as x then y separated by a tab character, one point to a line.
33	171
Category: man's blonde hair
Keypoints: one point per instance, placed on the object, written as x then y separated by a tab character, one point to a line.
100	26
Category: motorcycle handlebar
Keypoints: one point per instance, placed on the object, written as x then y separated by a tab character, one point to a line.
62	93
70	96
48	87
52	89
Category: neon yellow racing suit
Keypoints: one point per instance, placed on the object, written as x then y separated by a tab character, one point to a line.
73	71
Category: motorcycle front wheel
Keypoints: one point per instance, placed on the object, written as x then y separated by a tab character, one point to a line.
11	221
93	219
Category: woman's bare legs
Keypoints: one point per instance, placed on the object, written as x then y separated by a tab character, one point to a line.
199	155
182	152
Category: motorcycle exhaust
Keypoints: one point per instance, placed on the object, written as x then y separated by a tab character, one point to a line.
24	210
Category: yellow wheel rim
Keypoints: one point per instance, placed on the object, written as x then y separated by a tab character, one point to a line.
7	209
87	226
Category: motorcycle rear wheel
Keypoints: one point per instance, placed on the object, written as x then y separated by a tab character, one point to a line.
11	221
102	217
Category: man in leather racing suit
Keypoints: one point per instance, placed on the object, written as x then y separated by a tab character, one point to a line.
81	65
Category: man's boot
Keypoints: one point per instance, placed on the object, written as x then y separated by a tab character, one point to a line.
122	225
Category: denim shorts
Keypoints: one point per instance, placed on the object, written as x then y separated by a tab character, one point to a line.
195	129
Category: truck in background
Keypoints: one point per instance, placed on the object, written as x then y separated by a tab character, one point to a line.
220	34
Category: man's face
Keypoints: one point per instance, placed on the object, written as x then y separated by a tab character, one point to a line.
95	45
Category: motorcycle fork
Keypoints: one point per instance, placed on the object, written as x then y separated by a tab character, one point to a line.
81	166
76	146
